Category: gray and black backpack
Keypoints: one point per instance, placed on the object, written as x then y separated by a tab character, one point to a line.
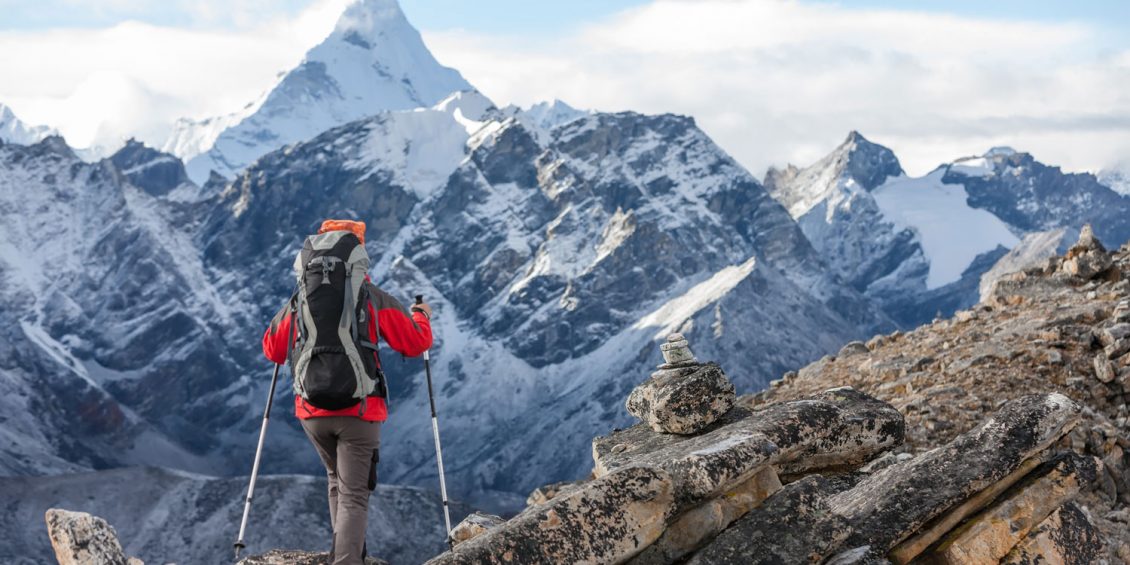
333	362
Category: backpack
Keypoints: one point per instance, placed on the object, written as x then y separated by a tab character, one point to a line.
333	362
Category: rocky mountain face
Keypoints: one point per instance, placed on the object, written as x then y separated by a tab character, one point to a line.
554	258
919	246
1031	196
109	323
164	516
373	60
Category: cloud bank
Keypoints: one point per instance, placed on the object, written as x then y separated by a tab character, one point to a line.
100	86
784	81
773	81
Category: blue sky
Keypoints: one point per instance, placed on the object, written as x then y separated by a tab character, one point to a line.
488	16
510	16
773	81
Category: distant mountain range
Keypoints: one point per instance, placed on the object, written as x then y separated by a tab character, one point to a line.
556	245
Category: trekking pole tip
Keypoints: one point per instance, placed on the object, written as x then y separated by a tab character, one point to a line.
238	547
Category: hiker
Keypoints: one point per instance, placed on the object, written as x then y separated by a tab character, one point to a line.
328	330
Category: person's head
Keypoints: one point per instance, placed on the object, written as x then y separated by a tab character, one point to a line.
357	228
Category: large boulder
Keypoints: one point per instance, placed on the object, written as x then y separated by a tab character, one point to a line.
81	539
609	520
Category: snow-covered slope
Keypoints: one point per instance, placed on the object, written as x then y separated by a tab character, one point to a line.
555	256
951	233
165	516
373	60
834	202
12	130
108	319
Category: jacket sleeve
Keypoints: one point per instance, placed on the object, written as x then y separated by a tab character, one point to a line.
276	340
407	334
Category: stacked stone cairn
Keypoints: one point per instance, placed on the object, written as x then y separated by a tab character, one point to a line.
702	481
683	396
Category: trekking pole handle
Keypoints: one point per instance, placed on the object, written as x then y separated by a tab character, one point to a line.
420	300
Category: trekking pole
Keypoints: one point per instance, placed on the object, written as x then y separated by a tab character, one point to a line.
239	545
435	432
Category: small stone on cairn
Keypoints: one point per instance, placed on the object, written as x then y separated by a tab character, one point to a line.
683	396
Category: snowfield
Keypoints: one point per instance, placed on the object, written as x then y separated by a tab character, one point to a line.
951	232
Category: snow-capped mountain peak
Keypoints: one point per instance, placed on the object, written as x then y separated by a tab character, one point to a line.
13	130
854	165
548	115
868	164
373	61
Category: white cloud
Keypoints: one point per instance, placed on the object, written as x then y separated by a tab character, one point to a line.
100	85
784	81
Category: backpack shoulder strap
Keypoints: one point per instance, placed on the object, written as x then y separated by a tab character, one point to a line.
369	292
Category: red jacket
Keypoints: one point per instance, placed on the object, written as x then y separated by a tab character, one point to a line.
408	334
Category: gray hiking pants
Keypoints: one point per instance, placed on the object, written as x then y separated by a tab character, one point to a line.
348	447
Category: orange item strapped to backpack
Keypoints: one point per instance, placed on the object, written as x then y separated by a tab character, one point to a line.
358	228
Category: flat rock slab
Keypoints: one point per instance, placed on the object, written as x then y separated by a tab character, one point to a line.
989	536
297	557
683	401
691	529
839	427
795	525
609	520
1066	537
81	539
939	527
895	502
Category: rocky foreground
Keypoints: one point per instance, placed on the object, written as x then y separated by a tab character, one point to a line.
995	437
1063	326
